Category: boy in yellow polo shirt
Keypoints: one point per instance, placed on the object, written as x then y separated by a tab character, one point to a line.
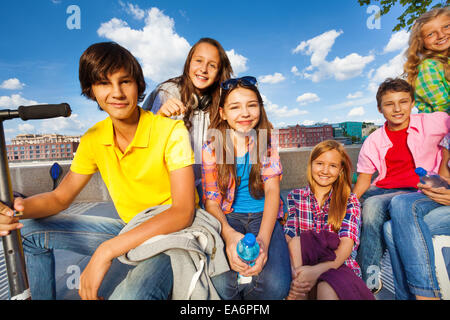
145	160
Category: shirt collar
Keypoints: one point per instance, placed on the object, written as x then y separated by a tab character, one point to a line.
141	137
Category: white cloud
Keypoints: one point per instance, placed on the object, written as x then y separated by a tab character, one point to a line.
318	48
12	84
62	124
160	50
238	62
308	122
272	78
15	101
307	98
397	42
275	111
356	112
295	71
134	10
357	94
26	127
392	69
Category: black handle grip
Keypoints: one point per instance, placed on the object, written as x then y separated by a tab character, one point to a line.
44	111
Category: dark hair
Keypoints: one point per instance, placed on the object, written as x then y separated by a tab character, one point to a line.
104	58
396	85
187	89
227	171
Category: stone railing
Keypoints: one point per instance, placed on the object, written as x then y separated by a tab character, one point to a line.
33	178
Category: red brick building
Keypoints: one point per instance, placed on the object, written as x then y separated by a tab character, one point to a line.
35	147
304	136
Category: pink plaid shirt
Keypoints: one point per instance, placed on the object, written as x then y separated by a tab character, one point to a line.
306	214
271	167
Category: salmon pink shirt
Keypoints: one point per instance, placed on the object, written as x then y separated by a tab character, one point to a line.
425	132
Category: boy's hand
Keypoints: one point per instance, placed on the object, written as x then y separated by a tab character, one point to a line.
8	221
93	274
172	107
440	195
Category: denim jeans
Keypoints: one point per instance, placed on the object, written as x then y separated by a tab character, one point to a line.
375	212
415	219
274	281
151	279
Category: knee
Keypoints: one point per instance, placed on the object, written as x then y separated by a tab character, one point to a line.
398	208
372	210
326	292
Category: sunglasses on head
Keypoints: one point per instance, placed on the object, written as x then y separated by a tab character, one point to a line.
246	81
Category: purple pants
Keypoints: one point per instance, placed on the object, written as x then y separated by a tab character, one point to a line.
319	247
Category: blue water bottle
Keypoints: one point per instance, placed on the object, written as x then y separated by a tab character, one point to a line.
430	178
248	250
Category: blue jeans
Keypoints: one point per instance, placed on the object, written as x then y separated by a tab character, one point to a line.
151	279
274	281
375	212
415	219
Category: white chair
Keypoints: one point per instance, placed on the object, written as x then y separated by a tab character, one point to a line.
441	246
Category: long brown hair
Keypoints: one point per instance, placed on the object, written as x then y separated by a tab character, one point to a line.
417	52
342	185
187	88
224	147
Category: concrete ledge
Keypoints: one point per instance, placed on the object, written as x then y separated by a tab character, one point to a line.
33	178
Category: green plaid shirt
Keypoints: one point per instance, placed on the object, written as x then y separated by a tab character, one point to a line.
432	89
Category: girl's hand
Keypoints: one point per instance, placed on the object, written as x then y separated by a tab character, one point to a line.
7	220
232	238
440	195
260	261
299	290
172	107
93	275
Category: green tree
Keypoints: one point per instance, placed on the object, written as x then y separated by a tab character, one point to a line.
413	9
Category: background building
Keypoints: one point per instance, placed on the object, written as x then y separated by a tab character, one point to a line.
37	147
352	129
304	136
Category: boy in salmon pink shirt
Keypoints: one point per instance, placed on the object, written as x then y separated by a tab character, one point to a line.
405	142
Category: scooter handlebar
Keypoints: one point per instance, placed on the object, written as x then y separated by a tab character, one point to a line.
44	111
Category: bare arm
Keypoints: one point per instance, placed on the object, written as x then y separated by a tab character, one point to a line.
271	206
444	170
230	236
362	184
50	203
180	215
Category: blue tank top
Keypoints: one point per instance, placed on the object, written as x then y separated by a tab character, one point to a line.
243	200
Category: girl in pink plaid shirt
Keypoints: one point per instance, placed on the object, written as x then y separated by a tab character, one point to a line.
322	230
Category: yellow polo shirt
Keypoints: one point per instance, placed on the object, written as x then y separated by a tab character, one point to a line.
138	178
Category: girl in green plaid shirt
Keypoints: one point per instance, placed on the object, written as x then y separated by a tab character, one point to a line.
428	67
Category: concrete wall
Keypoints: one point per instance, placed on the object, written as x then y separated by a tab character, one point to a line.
294	164
31	179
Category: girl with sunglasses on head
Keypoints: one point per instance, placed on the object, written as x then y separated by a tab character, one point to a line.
428	66
241	174
194	95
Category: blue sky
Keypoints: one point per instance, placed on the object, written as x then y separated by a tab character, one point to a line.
316	61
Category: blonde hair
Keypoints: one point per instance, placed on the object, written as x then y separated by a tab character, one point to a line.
342	185
417	52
